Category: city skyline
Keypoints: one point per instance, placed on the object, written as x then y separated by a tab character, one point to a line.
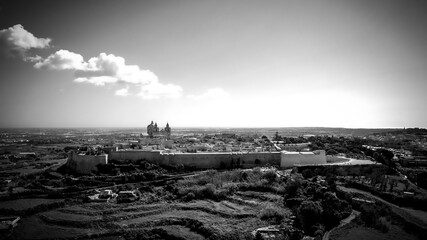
358	64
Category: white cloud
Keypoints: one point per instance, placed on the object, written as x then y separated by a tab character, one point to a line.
97	81
122	92
213	93
62	60
16	41
108	69
115	66
156	90
103	70
35	58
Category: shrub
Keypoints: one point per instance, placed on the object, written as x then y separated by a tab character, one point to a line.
202	192
235	235
382	226
309	214
292	188
207	191
371	217
203	180
307	173
272	213
334	209
270	176
318	231
190	196
152	234
331	152
293	202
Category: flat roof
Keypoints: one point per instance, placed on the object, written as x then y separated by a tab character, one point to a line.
227	153
297	153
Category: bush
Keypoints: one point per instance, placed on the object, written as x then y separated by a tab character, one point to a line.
207	191
334	209
292	188
202	192
152	234
318	231
235	235
190	196
370	215
331	152
272	213
309	214
270	176
307	173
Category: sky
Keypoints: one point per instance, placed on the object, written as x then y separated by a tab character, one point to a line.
354	64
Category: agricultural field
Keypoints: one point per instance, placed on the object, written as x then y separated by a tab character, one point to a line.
354	232
229	204
26	203
240	213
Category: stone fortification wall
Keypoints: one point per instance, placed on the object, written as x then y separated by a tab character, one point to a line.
135	155
199	160
289	159
85	164
261	158
221	159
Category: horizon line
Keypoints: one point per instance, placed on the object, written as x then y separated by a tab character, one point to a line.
214	127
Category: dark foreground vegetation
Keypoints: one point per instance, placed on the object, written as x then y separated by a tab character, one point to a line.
229	204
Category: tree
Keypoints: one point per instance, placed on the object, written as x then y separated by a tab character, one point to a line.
307	173
334	209
331	152
277	137
292	188
309	214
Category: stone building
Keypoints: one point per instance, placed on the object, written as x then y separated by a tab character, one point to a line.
153	131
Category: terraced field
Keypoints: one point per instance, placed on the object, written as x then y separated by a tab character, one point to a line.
197	219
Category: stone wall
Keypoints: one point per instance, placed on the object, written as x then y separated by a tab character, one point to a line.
199	160
85	164
221	159
137	155
206	160
289	159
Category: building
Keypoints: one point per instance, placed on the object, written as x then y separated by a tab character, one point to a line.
153	131
290	159
202	160
85	164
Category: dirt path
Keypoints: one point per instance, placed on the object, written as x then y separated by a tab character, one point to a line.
414	216
343	222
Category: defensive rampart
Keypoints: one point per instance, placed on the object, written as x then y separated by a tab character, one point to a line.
199	160
222	159
137	155
85	164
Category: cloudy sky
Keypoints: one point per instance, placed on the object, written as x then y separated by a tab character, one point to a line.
231	63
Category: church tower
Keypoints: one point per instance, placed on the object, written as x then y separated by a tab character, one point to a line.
150	129
168	131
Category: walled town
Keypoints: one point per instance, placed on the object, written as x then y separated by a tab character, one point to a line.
166	183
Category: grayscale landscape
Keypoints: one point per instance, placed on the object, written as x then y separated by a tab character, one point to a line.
276	119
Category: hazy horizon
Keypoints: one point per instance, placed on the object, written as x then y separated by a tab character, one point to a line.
213	64
179	127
